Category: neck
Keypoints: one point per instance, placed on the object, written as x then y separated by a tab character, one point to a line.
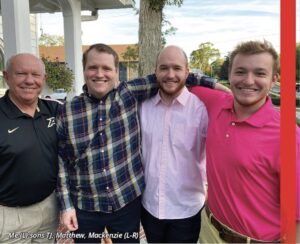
168	98
28	108
244	112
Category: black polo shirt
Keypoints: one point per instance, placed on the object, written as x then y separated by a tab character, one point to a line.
28	153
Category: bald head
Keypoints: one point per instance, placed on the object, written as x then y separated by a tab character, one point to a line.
171	72
175	51
25	76
15	59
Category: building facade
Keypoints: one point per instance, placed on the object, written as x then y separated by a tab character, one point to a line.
34	46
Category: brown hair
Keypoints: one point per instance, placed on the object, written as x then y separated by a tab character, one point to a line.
255	47
101	48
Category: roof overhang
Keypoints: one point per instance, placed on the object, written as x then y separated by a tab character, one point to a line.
52	6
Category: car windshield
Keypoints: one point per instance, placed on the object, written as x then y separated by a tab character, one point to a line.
59	91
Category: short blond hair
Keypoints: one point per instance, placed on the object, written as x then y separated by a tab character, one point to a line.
255	47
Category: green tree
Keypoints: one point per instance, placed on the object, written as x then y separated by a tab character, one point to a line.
203	57
51	40
298	62
216	67
150	32
58	75
223	73
130	56
170	30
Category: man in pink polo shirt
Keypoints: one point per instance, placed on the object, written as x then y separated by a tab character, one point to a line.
243	144
173	125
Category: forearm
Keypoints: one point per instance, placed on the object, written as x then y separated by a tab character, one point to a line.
221	87
143	88
205	81
63	188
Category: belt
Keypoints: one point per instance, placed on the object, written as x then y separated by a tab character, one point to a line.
228	235
9	205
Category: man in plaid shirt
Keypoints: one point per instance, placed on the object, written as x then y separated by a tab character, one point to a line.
100	170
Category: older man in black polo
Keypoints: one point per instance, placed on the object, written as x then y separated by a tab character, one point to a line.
28	155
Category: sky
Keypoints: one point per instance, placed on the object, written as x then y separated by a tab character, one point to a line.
224	23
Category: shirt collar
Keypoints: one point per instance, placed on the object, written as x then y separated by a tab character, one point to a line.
263	115
181	99
260	117
91	97
12	111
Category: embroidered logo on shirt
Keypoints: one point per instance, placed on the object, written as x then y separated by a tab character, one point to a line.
12	130
51	122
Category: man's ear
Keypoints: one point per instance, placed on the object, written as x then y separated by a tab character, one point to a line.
5	75
187	73
274	79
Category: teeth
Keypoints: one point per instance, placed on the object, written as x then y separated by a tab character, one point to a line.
248	89
99	81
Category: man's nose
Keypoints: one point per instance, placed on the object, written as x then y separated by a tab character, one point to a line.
29	78
250	78
171	73
99	72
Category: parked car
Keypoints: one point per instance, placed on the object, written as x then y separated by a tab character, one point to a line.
58	94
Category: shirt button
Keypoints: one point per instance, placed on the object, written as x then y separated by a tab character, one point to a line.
100	119
227	135
107	188
233	123
102	151
101	133
104	170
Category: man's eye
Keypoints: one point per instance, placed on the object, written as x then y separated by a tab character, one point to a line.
107	68
239	72
20	74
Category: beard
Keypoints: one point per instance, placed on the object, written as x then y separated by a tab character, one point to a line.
171	92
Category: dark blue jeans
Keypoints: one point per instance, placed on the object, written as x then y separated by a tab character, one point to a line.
123	225
171	230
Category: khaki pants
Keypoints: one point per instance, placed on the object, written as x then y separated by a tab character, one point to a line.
36	223
208	233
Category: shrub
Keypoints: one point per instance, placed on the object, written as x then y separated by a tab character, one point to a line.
59	75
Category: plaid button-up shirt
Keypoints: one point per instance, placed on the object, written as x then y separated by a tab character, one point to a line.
100	167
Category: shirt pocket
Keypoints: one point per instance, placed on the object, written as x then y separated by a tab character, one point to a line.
185	136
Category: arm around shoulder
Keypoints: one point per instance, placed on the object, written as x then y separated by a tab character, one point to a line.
223	88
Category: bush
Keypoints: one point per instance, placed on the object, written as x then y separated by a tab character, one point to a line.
276	100
58	75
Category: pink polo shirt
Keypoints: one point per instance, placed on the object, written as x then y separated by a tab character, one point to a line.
173	149
298	174
243	168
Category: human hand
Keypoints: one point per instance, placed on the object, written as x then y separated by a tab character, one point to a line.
223	88
69	219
